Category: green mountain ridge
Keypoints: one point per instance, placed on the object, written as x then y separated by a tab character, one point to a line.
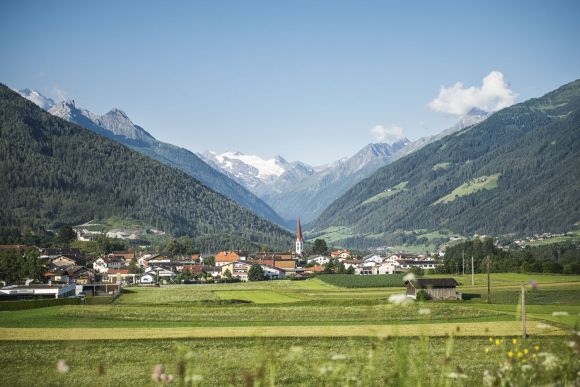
56	173
532	151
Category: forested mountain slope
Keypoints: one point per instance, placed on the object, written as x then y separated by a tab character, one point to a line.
516	172
56	173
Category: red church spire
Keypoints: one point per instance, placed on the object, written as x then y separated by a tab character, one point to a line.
299	231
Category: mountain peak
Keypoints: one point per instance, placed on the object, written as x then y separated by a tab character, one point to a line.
36	97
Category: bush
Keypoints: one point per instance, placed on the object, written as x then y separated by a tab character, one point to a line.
422	295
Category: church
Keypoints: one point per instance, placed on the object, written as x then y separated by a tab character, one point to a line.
299	240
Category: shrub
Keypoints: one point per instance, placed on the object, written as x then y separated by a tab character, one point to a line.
422	295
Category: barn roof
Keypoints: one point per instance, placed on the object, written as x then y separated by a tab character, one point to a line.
422	283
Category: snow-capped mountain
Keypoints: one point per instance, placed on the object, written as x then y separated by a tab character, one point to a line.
39	99
255	172
298	189
117	126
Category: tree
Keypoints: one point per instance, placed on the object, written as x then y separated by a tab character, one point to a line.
320	247
209	261
15	266
228	274
133	268
256	273
106	245
341	269
66	235
417	271
350	270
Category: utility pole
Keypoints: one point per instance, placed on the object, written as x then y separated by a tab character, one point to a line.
523	311
488	281
463	259
472	273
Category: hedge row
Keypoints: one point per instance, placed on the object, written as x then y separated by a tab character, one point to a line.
39	303
363	281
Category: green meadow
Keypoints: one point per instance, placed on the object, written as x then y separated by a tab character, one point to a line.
311	332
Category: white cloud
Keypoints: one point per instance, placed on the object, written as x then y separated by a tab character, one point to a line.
389	135
493	94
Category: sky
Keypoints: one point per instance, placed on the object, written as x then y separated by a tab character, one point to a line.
309	80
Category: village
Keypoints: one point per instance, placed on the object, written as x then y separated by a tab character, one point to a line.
68	273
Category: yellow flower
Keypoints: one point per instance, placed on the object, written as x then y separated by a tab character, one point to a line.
520	354
486	349
526	351
490	339
514	341
510	354
537	347
497	341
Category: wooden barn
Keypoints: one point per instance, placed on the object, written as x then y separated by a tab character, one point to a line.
436	288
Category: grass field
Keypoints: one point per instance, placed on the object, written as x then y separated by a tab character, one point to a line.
251	331
471	187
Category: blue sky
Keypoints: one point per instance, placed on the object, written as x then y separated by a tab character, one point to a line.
304	79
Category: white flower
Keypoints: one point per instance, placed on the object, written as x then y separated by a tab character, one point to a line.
424	311
550	361
398	299
455	375
488	378
557	314
62	366
338	357
409	277
571	344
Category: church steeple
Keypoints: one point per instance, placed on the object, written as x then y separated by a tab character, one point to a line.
299	240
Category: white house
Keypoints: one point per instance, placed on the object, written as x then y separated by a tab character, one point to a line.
319	260
103	264
273	272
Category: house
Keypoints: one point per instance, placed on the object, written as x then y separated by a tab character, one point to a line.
225	257
161	273
272	272
314	270
103	264
341	254
69	275
406	265
318	260
352	262
436	288
237	269
276	262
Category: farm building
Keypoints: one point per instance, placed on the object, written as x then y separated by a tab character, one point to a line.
436	288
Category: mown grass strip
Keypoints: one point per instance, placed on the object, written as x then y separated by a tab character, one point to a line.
503	328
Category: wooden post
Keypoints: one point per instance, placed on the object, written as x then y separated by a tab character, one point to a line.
488	282
472	273
523	311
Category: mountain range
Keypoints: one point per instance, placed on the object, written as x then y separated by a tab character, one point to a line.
297	189
117	126
57	173
516	172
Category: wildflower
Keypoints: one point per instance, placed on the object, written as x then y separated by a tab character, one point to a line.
490	339
536	348
194	378
325	370
398	299
550	361
560	314
526	351
533	284
514	341
456	375
338	357
510	354
486	349
488	378
157	372
409	277
520	354
497	341
571	344
424	311
62	366
526	367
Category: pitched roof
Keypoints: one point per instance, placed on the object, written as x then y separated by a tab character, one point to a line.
422	283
